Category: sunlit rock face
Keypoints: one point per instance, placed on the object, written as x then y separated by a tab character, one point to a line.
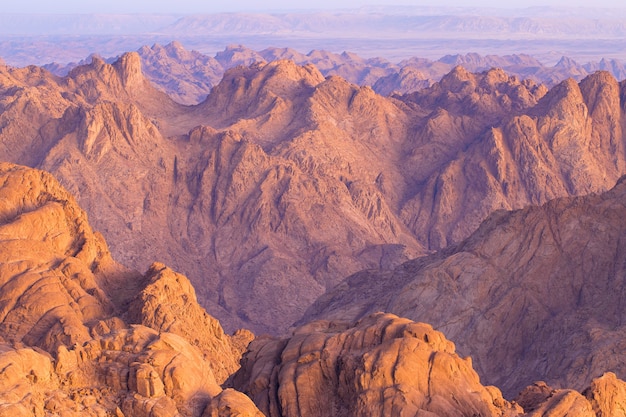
81	334
382	365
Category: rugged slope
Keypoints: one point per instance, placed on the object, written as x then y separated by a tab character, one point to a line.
533	294
283	181
499	150
81	335
186	76
68	344
230	206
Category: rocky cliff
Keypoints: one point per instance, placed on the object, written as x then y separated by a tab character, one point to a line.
83	335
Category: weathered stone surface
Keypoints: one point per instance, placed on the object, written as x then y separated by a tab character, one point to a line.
231	403
25	376
53	269
383	365
168	304
607	396
64	348
564	403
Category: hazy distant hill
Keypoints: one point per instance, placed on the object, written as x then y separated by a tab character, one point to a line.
393	33
188	75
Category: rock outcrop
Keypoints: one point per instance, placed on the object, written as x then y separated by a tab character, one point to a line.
83	335
382	365
168	304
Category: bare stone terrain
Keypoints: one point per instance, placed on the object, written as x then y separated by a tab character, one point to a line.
532	294
283	181
454	205
384	365
78	332
84	336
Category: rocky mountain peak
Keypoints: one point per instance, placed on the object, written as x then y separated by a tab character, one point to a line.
458	80
129	69
253	93
236	55
566	63
601	93
177	50
563	99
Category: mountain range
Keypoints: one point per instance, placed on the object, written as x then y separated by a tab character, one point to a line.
585	34
217	188
328	219
188	76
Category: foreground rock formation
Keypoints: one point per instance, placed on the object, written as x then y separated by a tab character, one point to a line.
384	365
83	335
533	294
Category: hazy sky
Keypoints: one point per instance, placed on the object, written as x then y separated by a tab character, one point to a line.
208	6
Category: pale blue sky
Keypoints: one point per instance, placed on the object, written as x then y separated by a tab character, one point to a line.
208	6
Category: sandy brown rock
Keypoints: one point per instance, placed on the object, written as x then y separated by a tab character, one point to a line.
168	304
26	376
231	403
54	269
65	349
564	403
382	365
607	395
